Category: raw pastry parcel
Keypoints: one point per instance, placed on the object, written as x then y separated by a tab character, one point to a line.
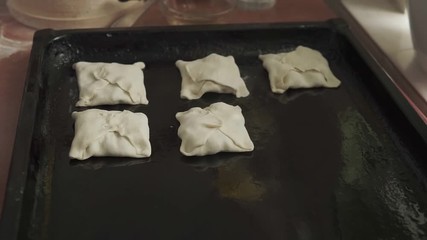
110	83
217	128
302	68
110	133
214	73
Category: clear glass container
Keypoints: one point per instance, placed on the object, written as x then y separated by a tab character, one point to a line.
179	12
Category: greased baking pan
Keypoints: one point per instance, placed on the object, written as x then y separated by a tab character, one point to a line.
340	163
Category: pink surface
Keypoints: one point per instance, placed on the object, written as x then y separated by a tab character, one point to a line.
16	41
15	31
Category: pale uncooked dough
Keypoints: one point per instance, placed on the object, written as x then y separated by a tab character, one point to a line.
217	128
214	73
302	68
110	133
110	83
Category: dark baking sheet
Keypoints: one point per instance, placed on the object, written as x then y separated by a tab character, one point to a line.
328	163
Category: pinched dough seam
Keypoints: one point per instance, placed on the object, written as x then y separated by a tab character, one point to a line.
115	131
225	134
295	69
98	77
215	82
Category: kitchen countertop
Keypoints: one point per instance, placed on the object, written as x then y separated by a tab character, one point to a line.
388	38
15	45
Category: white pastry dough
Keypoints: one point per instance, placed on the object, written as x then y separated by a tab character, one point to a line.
217	128
302	68
110	133
214	73
110	83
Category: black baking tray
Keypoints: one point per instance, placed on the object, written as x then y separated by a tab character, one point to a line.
346	163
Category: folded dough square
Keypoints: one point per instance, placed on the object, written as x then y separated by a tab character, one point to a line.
214	73
302	68
110	133
217	128
110	83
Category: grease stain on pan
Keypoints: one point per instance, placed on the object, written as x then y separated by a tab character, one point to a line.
236	182
377	194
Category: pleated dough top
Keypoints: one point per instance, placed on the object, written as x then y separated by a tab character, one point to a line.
214	73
